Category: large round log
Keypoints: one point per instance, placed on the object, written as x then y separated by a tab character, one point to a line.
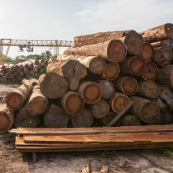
72	103
130	120
107	88
163	43
112	50
15	99
55	117
91	92
100	109
132	66
148	89
84	119
53	86
6	119
111	71
145	109
158	33
118	102
37	103
147	52
127	85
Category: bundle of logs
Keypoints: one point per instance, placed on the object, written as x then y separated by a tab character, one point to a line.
15	73
94	81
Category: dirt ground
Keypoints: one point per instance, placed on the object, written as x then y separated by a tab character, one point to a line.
124	161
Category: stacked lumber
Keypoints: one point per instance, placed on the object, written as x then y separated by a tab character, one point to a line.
15	73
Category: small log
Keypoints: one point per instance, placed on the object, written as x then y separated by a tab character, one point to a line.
147	110
37	103
148	89
112	50
109	117
84	119
147	52
118	102
127	85
111	71
53	86
107	89
163	43
130	120
72	103
131	66
158	33
55	117
163	56
150	71
100	109
16	98
6	119
24	119
91	92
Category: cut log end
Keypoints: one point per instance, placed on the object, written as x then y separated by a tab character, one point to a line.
147	52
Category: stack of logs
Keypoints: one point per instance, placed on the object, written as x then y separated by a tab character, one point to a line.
93	81
15	73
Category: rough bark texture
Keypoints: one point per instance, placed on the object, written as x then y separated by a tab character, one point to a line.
130	120
147	52
163	43
53	86
158	33
145	109
113	50
55	117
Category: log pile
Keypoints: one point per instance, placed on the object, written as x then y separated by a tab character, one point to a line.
115	78
15	73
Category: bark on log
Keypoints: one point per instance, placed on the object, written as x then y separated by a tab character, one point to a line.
52	85
127	85
107	89
91	92
55	117
6	119
109	117
37	103
130	120
147	52
15	99
158	33
72	103
24	119
131	38
100	109
112	50
132	66
148	89
84	119
163	43
145	109
118	101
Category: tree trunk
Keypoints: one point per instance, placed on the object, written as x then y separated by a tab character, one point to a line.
53	86
150	71
55	117
72	103
24	119
112	50
145	109
147	52
37	103
15	99
118	102
91	92
148	89
158	33
127	85
100	109
131	38
132	66
130	120
107	89
163	43
72	70
162	56
111	71
84	119
6	119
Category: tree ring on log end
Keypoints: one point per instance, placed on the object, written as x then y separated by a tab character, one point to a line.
147	52
4	122
169	30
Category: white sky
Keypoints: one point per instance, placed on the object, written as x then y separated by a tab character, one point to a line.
65	19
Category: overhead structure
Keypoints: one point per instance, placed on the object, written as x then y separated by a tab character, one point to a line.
32	43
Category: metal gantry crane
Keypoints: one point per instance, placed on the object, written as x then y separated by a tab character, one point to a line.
32	43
